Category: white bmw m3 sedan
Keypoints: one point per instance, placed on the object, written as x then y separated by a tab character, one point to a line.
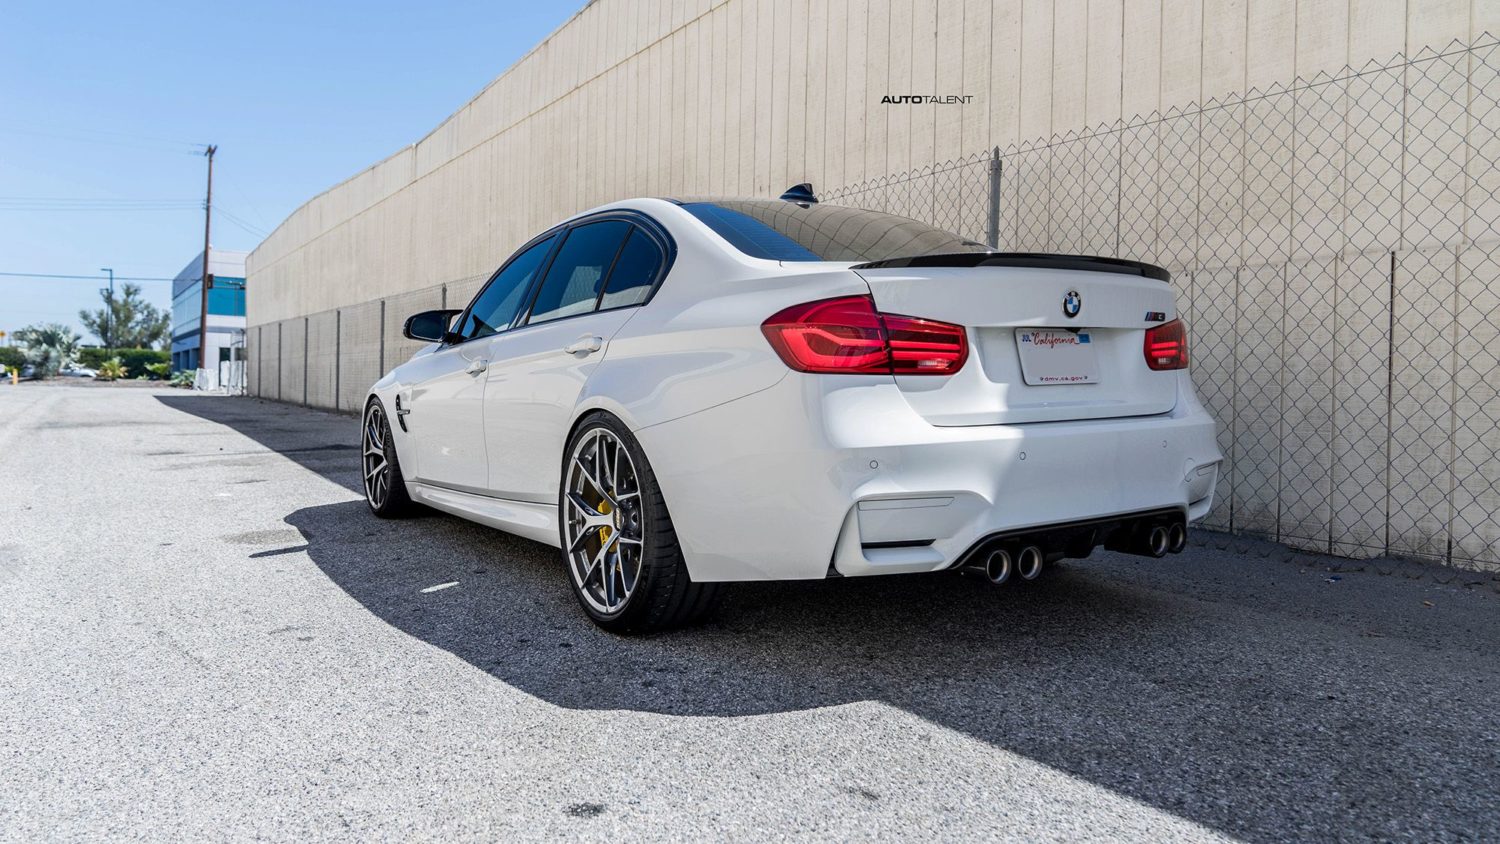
681	393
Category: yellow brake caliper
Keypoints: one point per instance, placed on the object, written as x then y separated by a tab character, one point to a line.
605	531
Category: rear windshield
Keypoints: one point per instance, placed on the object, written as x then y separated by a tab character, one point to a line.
784	231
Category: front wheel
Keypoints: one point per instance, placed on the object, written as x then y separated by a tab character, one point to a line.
621	551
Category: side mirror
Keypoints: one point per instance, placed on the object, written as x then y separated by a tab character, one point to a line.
429	326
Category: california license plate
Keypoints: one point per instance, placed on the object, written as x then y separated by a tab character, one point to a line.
1056	356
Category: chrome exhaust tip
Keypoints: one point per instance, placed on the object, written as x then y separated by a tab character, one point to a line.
997	566
1177	538
1029	562
1156	541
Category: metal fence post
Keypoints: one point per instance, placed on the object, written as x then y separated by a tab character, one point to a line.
382	337
279	331
338	353
993	230
306	341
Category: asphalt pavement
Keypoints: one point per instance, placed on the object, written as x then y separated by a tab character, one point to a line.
205	635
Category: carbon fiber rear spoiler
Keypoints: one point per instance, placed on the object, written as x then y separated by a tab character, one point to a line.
1034	260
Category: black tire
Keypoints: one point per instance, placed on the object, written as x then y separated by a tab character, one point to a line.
663	596
386	495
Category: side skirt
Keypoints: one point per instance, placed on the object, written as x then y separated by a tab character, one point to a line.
522	518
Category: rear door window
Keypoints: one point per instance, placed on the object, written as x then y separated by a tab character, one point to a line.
574	280
635	271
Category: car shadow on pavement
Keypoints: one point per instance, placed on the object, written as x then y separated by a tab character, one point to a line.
1224	690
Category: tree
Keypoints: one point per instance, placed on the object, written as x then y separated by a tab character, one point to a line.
11	358
49	346
129	322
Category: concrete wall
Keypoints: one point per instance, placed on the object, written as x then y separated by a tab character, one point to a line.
1323	180
662	97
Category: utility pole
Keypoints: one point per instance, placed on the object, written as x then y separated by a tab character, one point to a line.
109	311
208	211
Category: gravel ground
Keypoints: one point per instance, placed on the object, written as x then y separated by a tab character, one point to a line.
203	634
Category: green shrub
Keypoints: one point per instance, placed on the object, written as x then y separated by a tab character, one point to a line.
110	370
11	358
93	358
135	360
158	371
183	378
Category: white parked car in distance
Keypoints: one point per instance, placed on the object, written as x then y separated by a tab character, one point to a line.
681	393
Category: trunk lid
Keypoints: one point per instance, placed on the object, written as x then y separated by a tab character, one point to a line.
1028	360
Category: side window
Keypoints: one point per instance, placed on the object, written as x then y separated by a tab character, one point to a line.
572	284
635	270
500	301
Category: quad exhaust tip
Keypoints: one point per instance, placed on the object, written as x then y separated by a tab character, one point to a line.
1157	541
998	566
1029	562
1176	538
1149	536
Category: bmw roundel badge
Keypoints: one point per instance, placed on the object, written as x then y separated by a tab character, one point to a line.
1072	304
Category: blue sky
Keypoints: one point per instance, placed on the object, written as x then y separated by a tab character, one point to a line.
101	103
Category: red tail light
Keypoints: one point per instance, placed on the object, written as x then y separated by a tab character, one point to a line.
1167	346
924	346
834	335
848	335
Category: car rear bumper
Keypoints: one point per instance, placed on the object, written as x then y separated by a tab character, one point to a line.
820	475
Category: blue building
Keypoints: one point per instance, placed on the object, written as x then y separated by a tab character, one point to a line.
226	310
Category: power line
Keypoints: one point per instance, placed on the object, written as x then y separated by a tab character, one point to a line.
88	199
106	138
87	277
80	203
260	219
242	223
247	229
8	311
20	127
18	203
21	207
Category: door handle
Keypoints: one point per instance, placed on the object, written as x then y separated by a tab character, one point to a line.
476	367
587	344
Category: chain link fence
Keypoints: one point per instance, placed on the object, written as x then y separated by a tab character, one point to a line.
1335	244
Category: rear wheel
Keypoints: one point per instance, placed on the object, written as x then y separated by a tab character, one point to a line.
385	489
618	542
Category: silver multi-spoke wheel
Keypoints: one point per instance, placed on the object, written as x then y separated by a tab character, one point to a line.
377	468
618	543
603	526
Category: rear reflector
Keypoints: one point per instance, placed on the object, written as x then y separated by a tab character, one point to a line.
1167	346
847	335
